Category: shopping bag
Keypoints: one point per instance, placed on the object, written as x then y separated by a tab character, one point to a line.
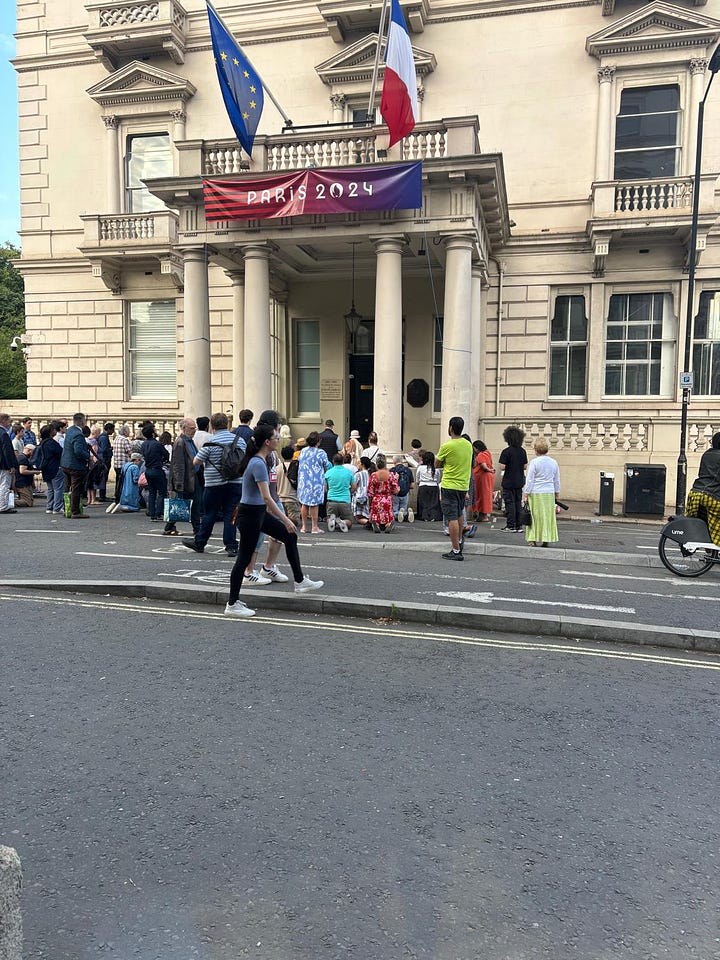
66	502
11	500
177	510
142	480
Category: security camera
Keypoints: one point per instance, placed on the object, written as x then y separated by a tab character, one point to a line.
15	343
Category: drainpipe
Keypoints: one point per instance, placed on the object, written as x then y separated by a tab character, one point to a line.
501	267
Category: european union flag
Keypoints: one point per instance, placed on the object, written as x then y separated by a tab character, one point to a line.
241	87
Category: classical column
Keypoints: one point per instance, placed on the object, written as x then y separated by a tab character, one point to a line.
388	385
457	400
237	278
477	355
604	123
338	101
113	164
196	334
178	118
698	66
258	357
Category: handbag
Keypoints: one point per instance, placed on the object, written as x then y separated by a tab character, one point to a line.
177	510
526	516
142	480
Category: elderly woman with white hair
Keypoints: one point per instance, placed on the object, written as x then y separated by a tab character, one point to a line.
542	486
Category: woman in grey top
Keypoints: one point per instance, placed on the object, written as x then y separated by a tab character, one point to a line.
257	512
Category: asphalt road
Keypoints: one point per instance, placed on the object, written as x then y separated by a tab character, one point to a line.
130	548
180	786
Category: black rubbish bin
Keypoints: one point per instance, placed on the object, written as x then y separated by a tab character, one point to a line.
645	489
607	494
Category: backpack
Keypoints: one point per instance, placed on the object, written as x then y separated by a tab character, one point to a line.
404	479
38	457
231	457
292	473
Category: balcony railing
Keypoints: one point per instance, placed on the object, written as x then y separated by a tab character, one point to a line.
334	147
662	197
119	29
157	229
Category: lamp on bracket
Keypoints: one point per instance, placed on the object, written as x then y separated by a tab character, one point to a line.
352	318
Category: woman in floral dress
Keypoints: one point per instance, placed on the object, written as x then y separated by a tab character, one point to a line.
312	464
381	488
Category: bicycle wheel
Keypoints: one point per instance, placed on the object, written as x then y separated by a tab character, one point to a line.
682	563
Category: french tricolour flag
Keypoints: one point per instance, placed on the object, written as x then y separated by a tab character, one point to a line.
398	105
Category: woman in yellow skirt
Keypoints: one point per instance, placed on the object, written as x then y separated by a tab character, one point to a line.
542	486
704	498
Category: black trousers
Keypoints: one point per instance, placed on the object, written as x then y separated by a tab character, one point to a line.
251	520
75	485
513	502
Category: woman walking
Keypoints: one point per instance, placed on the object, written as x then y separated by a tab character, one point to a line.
312	464
155	456
541	489
382	487
483	482
258	513
427	478
514	460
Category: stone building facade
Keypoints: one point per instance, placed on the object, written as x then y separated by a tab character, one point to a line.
543	281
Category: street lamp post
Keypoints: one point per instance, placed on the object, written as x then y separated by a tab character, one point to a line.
681	489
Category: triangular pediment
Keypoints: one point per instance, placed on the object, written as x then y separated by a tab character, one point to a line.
356	62
655	26
140	81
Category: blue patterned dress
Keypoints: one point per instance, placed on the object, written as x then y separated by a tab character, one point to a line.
312	464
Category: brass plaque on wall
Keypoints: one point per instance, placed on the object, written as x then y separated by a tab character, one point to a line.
331	389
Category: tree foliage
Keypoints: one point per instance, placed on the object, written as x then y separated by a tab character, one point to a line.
13	380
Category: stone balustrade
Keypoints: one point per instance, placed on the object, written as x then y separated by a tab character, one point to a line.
588	435
652	195
331	147
120	29
158	228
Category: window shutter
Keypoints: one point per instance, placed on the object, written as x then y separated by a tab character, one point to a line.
153	350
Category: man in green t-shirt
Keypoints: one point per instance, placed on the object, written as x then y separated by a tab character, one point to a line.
455	458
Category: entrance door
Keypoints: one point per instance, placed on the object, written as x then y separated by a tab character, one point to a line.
361	394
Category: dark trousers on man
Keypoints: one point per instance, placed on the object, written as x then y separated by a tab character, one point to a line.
74	485
513	505
219	500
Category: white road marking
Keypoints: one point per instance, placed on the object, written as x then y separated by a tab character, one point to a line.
490	598
119	556
385	632
47	531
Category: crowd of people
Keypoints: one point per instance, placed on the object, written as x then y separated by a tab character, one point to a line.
258	481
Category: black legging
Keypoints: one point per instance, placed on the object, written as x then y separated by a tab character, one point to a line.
513	502
251	520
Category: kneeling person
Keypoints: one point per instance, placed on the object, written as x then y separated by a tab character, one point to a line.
340	485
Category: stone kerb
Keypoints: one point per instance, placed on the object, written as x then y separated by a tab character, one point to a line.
11	939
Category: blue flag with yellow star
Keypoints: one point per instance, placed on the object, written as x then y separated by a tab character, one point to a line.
240	85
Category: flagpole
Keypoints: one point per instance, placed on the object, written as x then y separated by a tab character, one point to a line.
376	68
288	121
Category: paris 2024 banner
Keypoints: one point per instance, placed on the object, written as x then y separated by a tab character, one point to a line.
312	191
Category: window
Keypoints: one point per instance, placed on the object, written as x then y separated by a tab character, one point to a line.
438	326
706	345
568	347
361	117
152	344
640	345
277	344
148	156
307	365
646	133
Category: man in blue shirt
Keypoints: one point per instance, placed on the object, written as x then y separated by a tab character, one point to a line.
340	485
74	464
28	436
220	496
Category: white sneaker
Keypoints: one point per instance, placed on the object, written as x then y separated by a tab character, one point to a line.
331	523
273	574
238	609
111	507
308	584
342	526
411	516
400	516
255	579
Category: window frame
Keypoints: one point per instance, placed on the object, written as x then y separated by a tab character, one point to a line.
130	353
438	324
297	321
568	344
704	341
127	191
625	86
667	341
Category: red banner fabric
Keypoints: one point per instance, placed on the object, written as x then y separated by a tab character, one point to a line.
312	191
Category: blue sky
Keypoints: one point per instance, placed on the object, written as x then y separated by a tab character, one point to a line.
9	168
